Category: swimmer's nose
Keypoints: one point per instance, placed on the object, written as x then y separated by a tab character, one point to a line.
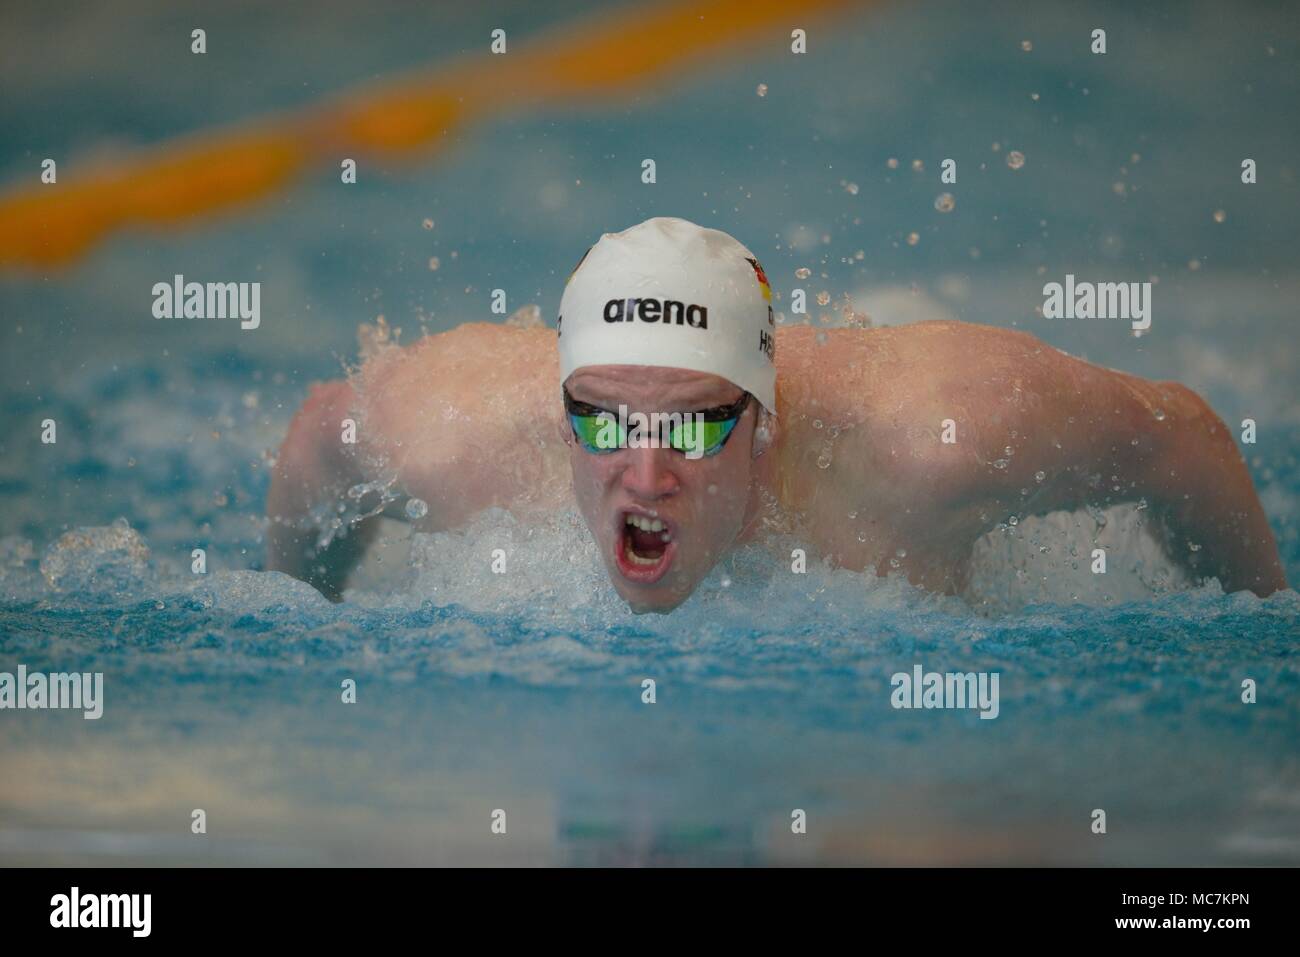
649	473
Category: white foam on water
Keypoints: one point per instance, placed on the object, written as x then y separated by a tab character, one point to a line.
1048	559
105	558
549	573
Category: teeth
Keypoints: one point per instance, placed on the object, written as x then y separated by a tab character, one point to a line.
648	524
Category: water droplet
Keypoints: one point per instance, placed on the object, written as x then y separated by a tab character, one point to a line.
427	224
917	166
416	509
913	239
1015	159
823	461
762	89
851	189
817	423
434	263
892	163
1039	476
803	272
823	298
944	202
1159	414
1013	520
1027	45
1220	215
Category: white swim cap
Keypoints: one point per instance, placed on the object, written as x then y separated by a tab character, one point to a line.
667	292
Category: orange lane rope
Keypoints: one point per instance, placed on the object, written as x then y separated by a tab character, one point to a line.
614	54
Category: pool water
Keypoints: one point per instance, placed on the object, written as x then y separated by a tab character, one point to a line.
523	692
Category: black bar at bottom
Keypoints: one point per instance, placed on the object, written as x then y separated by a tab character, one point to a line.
334	906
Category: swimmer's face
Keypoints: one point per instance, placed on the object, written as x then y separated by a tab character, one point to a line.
700	502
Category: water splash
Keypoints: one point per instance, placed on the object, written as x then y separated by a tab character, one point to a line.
109	558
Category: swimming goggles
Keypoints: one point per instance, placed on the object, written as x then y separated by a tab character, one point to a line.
600	432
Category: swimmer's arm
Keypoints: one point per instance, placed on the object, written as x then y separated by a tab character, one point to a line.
313	470
1199	483
1102	437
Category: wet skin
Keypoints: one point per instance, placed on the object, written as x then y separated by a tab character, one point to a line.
473	418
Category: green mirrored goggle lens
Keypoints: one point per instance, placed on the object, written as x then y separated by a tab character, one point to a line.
600	434
706	436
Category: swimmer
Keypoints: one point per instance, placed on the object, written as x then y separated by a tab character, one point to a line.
879	448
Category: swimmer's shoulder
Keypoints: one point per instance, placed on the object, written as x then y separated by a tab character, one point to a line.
905	380
471	379
877	400
863	367
449	367
800	347
899	360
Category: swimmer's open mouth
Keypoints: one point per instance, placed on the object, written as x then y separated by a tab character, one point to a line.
645	547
